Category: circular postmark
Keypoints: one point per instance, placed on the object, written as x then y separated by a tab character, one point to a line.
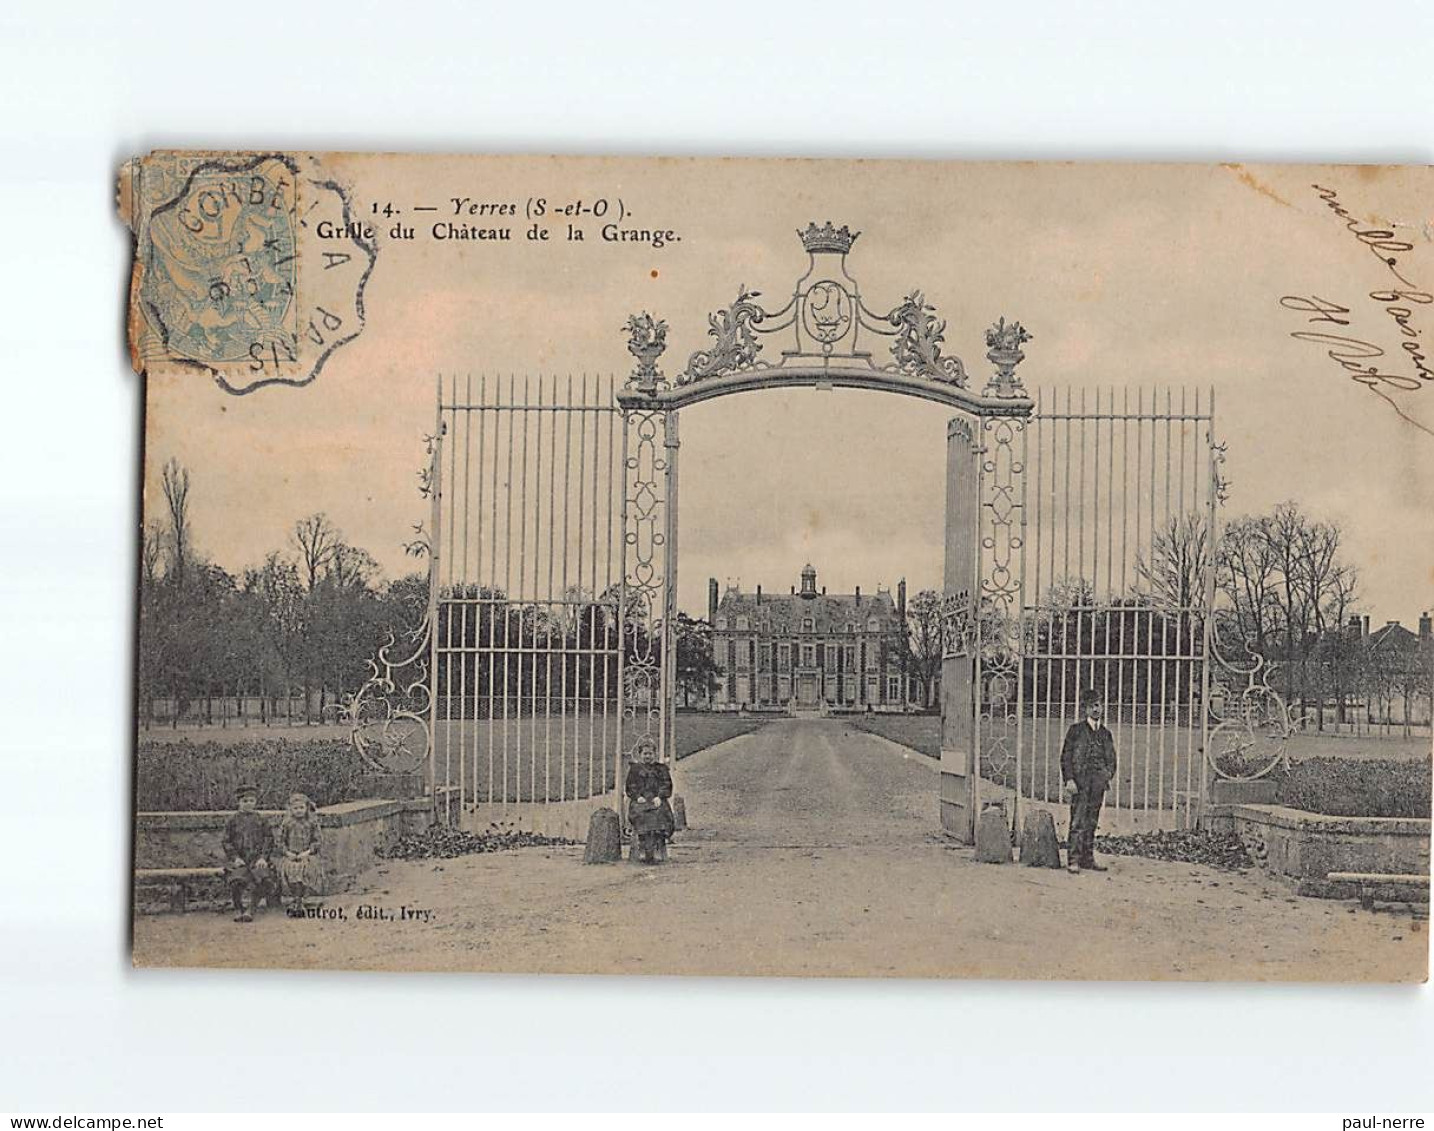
234	279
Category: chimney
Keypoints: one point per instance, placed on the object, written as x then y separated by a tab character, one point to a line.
794	590
759	594
1356	627
901	598
824	590
858	595
1366	625
711	600
1424	630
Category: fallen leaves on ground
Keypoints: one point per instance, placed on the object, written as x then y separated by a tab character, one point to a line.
1185	846
444	842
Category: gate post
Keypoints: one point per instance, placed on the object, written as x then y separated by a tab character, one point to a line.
435	581
960	769
671	444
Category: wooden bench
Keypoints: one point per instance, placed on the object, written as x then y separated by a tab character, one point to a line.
1389	887
178	883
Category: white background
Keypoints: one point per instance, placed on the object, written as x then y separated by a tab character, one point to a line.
84	86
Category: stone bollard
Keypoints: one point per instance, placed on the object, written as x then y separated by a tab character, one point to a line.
604	844
679	812
1039	848
993	838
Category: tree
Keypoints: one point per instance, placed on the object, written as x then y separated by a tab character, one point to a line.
1174	573
278	593
1289	595
315	538
697	669
175	478
151	553
924	644
1247	575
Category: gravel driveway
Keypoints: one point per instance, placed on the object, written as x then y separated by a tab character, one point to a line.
814	851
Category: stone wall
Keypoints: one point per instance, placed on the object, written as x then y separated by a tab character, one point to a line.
1304	848
352	832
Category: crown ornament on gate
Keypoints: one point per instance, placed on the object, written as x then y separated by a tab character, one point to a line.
827	238
827	333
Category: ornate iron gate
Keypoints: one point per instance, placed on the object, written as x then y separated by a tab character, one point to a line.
1118	539
527	654
1081	544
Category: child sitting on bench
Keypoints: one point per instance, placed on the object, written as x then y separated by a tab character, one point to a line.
298	844
248	847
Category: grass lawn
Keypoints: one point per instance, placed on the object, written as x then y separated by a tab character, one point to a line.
1154	763
547	758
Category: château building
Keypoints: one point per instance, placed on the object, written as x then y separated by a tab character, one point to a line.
808	649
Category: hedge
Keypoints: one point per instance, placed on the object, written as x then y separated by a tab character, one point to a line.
1355	787
186	775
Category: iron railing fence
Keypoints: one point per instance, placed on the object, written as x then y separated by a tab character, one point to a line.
526	642
1120	536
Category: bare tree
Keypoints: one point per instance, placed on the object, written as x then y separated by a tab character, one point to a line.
152	551
350	567
176	495
1248	578
315	538
1286	530
1174	573
1341	651
1284	577
923	634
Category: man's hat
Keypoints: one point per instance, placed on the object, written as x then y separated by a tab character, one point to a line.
247	790
1089	697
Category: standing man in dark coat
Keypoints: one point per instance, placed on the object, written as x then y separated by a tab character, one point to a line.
1087	767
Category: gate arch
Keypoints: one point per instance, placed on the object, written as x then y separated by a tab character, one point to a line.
825	335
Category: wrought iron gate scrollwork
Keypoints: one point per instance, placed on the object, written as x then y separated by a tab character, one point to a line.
644	586
390	716
999	612
1252	723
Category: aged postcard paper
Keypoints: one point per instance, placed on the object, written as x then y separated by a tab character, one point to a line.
747	567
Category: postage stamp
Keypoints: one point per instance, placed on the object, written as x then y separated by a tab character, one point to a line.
225	266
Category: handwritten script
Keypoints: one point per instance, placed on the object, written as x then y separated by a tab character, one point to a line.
1405	371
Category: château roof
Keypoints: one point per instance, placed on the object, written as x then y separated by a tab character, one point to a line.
830	613
1393	637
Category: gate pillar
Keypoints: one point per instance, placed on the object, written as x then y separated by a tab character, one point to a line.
959	765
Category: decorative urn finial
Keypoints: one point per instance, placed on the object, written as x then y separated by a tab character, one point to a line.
646	341
1004	352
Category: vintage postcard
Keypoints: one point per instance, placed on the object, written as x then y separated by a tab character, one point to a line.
758	567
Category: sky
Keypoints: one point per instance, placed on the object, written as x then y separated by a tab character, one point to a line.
1127	276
